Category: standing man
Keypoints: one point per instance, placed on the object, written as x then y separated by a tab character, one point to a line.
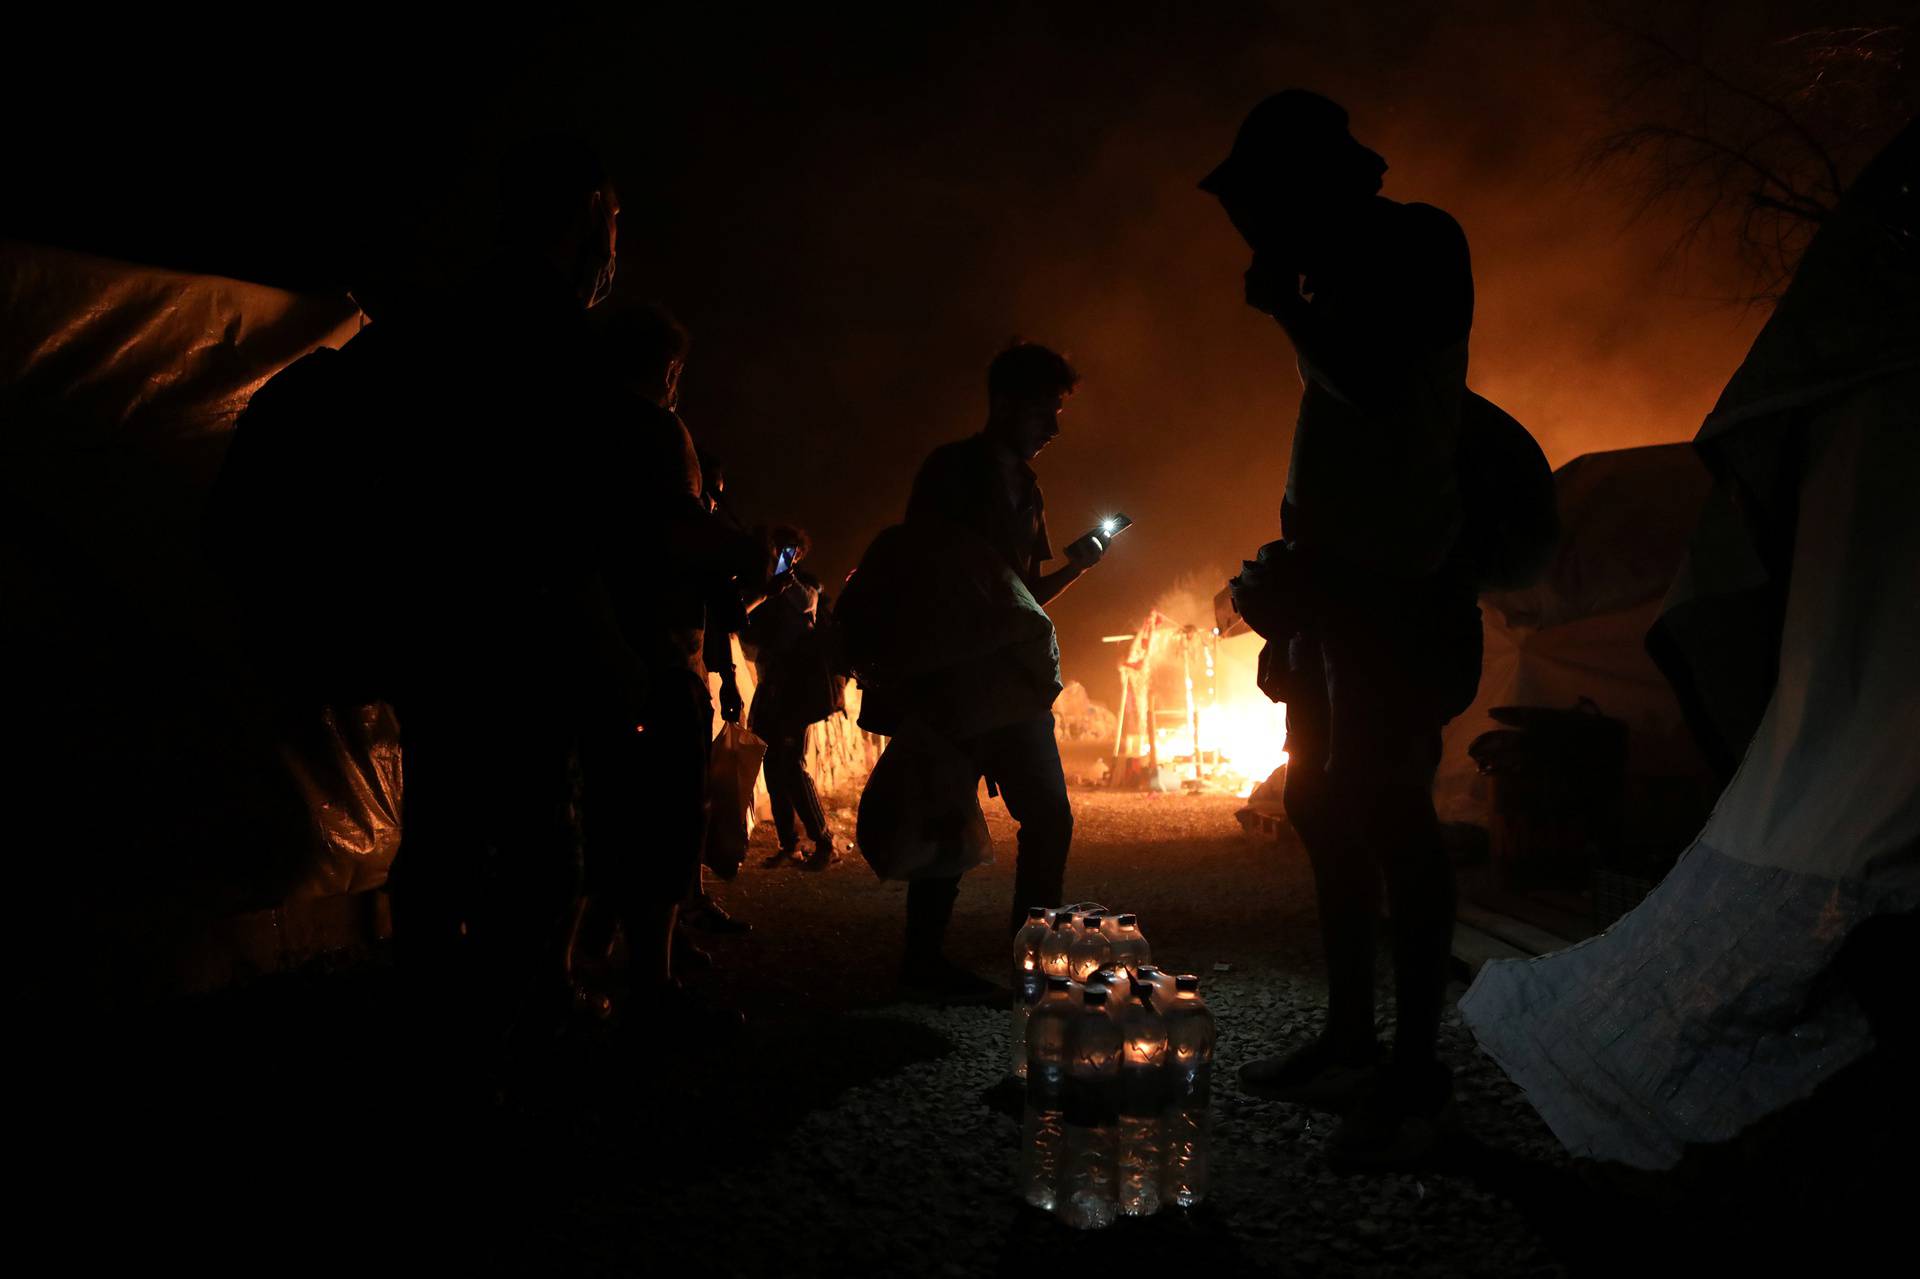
502	641
1377	300
660	551
996	708
794	689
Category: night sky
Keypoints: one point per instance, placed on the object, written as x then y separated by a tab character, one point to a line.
853	216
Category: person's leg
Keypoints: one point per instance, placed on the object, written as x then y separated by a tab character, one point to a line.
813	816
925	971
1389	704
1405	831
780	766
806	796
1395	678
1023	760
929	911
520	782
673	758
1331	1070
1344	879
613	821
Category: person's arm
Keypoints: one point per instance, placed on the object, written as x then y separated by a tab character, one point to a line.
1416	300
1081	556
717	654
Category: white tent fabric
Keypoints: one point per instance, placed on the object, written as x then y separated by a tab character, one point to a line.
1580	631
1702	1011
1715	1003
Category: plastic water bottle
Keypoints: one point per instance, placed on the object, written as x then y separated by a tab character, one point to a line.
1144	1094
1029	984
1089	952
1160	980
1130	948
1093	1111
1054	947
1190	1067
1043	1147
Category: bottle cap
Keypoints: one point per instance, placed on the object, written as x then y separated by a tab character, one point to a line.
1036	912
1186	982
1096	996
1058	983
1129	921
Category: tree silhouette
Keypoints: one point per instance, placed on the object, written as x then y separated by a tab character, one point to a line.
1751	120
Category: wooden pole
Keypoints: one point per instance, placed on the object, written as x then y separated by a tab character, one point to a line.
1193	710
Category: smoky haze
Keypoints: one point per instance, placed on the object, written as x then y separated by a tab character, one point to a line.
854	216
1038	180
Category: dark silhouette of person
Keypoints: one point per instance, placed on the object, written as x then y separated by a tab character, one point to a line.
995	710
1377	300
726	610
660	551
794	689
503	642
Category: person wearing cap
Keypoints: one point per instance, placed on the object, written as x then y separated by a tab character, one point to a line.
1376	298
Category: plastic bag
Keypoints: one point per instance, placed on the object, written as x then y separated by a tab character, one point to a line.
920	813
731	774
346	763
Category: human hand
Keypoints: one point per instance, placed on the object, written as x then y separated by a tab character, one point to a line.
731	703
1270	288
1085	552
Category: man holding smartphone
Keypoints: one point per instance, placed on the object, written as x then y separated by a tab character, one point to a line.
794	690
996	709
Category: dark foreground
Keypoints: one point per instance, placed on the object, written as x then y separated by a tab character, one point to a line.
272	1129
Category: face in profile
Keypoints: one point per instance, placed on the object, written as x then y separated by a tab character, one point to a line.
1030	424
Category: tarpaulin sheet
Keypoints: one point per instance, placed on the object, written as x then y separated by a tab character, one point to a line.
145	765
1713	1005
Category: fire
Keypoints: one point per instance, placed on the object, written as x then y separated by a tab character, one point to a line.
1243	739
1210	726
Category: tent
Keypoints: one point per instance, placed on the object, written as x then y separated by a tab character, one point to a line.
1718	1002
147	796
1580	632
170	829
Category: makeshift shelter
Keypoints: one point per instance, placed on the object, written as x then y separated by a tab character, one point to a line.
1716	1002
1580	633
149	797
171	829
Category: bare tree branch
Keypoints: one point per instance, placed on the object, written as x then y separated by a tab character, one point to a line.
1752	139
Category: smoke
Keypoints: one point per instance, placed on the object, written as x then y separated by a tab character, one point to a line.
1035	180
854	214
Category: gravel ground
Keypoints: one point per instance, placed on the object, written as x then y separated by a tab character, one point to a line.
912	1153
843	1134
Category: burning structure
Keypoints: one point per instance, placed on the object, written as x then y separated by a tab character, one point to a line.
1190	716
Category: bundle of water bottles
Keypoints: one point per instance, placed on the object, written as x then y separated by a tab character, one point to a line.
1118	1058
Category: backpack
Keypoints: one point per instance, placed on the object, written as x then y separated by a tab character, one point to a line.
1511	517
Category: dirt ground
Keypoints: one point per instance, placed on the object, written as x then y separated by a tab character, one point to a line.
293	1123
